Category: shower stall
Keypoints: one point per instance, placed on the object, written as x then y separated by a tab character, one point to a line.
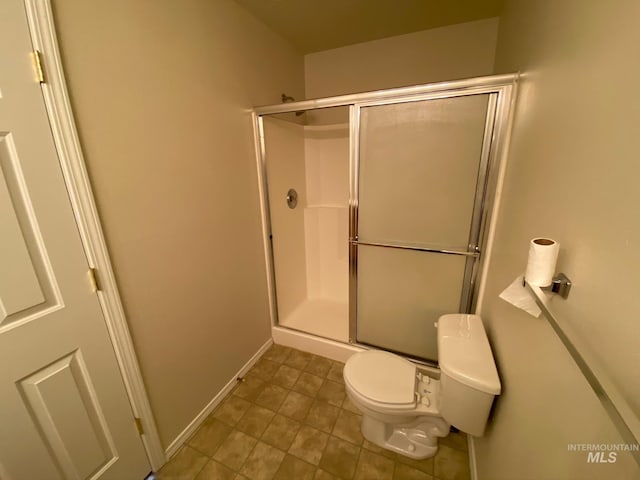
377	209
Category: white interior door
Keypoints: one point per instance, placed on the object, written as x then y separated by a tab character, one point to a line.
64	412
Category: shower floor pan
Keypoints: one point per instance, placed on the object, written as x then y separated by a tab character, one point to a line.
321	317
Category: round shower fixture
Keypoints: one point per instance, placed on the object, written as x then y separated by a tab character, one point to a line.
292	198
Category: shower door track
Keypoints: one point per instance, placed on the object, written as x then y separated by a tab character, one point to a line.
487	84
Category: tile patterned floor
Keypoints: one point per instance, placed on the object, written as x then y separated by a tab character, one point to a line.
290	420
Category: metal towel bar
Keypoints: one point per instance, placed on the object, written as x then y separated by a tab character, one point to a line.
624	419
418	248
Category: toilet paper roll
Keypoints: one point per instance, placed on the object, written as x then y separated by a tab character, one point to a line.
541	265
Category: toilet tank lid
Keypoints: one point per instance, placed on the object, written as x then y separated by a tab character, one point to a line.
464	353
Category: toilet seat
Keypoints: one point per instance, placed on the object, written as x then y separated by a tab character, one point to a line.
382	380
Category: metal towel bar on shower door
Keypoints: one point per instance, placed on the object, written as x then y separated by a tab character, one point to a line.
474	253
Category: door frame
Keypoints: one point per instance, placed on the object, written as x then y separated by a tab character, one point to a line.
56	98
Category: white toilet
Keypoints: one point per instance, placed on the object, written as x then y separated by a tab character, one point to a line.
405	410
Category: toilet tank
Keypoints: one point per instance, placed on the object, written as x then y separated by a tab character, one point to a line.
468	376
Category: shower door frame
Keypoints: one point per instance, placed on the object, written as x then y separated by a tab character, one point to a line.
500	90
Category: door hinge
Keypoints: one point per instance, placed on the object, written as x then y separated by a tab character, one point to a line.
38	65
95	280
139	425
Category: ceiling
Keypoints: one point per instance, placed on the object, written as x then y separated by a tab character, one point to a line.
315	25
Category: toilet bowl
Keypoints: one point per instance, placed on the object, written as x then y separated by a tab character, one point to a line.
405	410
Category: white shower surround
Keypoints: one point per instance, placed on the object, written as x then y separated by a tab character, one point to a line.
315	293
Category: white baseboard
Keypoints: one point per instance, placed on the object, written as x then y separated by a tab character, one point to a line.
310	343
196	422
473	467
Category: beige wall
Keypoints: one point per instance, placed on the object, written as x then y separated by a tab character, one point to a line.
447	53
572	175
160	90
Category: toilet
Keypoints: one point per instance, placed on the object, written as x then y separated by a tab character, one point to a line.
405	410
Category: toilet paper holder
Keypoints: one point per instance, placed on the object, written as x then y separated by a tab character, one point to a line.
561	284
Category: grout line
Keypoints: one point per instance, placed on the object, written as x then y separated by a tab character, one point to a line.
245	460
358	459
323	450
202	468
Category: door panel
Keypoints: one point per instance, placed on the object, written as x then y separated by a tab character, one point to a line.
61	401
21	290
418	171
419	165
26	288
64	410
401	293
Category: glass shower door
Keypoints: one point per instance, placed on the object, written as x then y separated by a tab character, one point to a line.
421	178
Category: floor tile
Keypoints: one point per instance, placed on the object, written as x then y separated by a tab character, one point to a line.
255	421
272	397
231	410
210	436
215	471
296	406
293	468
264	369
405	472
262	463
235	450
335	373
425	465
340	458
309	444
271	427
249	388
298	359
322	475
379	450
308	384
286	376
331	392
319	366
457	440
373	466
277	353
347	427
322	416
281	432
451	464
184	466
348	405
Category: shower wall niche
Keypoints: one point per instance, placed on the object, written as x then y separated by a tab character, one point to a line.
309	153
